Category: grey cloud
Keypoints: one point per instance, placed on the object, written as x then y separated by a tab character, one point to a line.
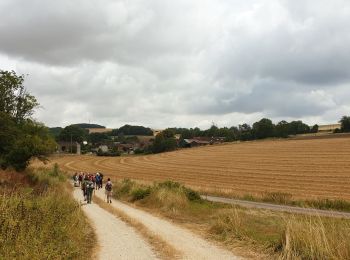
180	62
271	98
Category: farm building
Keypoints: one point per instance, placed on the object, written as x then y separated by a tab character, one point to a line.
99	130
328	128
194	142
211	140
68	147
126	148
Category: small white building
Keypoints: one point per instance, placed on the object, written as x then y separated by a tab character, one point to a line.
103	148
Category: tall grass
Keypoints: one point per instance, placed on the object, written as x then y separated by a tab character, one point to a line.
42	221
315	238
286	236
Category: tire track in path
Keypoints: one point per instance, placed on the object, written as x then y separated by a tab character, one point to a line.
116	240
190	245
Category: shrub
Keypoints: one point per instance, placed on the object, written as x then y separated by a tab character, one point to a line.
124	188
43	179
139	151
169	185
140	193
108	154
169	199
192	195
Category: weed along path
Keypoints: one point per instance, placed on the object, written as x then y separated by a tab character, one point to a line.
116	240
190	246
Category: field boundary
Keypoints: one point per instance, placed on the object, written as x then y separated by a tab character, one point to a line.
276	207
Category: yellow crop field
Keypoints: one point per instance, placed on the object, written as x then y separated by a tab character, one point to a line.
309	169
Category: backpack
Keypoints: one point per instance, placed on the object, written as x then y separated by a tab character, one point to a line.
90	185
109	187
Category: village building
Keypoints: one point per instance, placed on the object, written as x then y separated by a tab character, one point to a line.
103	148
156	131
68	147
194	143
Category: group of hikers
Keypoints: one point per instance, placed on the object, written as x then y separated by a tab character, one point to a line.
88	182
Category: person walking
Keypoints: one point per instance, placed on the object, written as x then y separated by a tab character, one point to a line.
108	189
76	180
98	180
84	187
89	189
101	180
80	179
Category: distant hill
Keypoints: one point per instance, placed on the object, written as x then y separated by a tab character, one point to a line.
133	130
85	125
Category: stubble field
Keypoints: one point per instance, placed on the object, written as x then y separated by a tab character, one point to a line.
307	169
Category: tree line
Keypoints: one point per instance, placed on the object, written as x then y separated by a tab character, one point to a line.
79	133
166	141
261	129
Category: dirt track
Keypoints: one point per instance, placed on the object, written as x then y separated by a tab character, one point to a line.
304	168
284	208
190	246
116	240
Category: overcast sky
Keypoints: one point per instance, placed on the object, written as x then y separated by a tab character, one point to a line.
185	63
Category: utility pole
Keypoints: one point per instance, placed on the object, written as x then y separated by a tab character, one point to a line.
71	144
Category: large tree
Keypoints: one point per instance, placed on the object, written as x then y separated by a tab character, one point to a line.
164	142
15	101
345	123
21	138
263	128
282	129
73	133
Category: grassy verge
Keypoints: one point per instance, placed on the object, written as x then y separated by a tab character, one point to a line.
40	220
277	235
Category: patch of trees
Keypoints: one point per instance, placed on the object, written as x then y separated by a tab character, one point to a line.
132	130
164	142
98	138
21	138
345	124
85	125
264	128
73	133
55	132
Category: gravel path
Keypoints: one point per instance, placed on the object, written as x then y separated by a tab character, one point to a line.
269	206
190	245
116	240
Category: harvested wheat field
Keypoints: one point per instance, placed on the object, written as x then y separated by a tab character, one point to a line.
304	168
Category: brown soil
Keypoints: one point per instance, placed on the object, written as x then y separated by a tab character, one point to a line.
309	169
